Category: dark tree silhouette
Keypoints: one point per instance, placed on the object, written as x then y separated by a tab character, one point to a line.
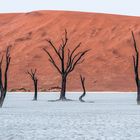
33	76
68	59
136	68
3	85
84	89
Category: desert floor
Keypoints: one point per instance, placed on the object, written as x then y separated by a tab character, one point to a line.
112	116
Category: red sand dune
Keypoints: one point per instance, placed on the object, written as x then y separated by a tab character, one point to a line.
108	66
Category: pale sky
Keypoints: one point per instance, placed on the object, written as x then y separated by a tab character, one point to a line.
123	7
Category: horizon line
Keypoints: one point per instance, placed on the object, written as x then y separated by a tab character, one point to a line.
78	11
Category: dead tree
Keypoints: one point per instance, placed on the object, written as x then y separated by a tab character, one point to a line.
84	89
136	68
3	85
33	76
68	60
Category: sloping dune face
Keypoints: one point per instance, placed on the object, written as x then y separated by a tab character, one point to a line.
107	67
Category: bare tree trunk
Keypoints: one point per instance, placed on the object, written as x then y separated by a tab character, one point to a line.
63	88
35	94
1	101
3	85
136	68
34	78
81	97
3	95
84	90
138	93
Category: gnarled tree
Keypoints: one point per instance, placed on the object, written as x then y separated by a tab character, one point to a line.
68	59
32	74
84	89
4	78
136	68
